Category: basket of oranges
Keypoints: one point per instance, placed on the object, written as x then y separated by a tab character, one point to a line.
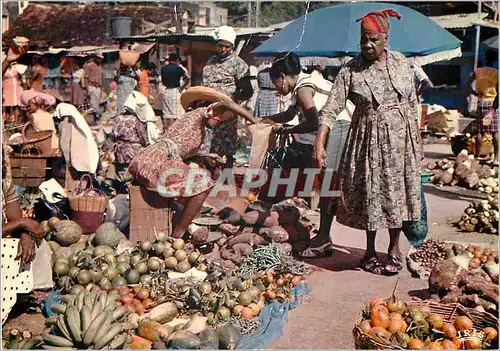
398	325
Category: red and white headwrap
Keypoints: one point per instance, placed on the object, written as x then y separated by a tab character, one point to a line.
377	21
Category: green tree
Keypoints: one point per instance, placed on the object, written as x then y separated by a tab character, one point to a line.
271	12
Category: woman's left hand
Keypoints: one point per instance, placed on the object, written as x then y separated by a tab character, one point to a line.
26	248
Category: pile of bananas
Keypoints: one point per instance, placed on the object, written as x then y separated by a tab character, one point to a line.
87	320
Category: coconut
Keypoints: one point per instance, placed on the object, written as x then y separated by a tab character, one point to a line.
108	234
67	232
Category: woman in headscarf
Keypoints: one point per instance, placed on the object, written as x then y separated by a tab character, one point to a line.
162	166
130	130
228	73
380	170
127	79
37	106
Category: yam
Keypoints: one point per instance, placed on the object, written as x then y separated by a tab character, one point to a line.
230	254
212	256
228	229
243	249
251	218
487	291
200	235
222	241
266	219
272	220
286	248
247	238
446	276
452	297
277	234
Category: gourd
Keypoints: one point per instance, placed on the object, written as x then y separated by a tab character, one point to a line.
108	234
67	232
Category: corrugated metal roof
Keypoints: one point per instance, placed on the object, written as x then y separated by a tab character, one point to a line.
173	36
458	21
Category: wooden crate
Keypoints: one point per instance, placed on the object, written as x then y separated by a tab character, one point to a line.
30	171
149	213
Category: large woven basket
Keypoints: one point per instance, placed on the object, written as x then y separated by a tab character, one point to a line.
129	57
88	206
33	143
449	312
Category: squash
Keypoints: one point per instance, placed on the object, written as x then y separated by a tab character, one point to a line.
152	331
108	234
139	343
184	340
67	232
209	339
163	313
229	336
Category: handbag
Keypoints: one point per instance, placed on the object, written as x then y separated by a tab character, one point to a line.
288	154
45	210
416	231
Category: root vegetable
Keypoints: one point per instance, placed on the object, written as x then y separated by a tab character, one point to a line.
243	249
230	254
277	234
248	238
229	229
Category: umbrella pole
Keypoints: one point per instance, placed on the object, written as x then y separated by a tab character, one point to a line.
478	36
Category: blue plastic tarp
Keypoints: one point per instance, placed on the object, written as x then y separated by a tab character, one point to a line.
334	32
272	321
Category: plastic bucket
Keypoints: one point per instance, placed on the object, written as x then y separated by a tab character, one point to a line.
120	27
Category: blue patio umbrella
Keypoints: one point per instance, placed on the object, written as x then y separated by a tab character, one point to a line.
334	32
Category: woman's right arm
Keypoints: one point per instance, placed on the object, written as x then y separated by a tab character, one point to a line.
335	104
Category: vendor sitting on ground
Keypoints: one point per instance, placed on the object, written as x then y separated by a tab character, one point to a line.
161	167
134	130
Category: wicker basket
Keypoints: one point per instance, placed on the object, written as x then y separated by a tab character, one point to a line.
88	209
449	312
33	143
129	58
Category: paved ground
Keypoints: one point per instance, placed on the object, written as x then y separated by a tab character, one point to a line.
325	319
339	292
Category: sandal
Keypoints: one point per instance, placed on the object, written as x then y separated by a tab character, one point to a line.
324	250
394	265
371	265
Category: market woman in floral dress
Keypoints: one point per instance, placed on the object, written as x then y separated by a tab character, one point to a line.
380	170
162	166
229	74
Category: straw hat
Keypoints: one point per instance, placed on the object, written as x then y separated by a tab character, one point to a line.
200	93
